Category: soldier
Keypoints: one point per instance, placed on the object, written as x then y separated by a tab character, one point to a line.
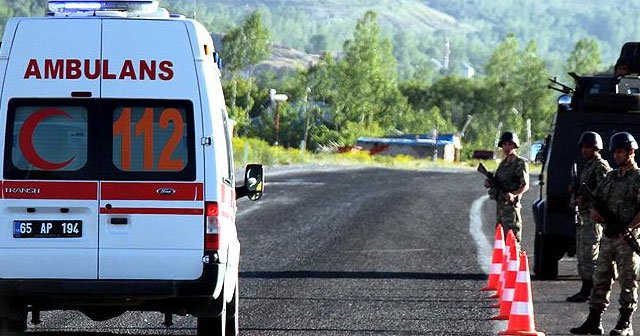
513	176
621	68
620	191
588	232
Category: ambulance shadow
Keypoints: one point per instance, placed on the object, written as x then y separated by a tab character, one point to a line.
360	275
144	332
367	332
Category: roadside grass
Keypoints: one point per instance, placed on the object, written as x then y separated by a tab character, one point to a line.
249	150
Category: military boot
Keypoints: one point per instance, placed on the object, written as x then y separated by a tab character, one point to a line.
623	327
592	326
583	294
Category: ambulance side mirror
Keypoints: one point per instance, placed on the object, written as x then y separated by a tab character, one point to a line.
254	181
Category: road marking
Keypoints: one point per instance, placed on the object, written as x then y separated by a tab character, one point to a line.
386	251
247	210
287	170
293	183
483	245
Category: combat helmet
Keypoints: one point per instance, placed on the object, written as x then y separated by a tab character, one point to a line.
590	139
622	61
509	136
622	140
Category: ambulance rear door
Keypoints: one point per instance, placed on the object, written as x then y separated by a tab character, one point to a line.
151	200
49	207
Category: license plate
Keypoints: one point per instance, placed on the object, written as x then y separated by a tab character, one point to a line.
47	229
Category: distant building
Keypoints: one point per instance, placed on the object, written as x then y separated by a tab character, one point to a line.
468	70
418	145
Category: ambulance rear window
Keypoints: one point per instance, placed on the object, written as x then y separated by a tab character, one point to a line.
50	138
100	139
148	139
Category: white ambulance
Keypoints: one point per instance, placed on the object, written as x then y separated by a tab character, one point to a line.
117	189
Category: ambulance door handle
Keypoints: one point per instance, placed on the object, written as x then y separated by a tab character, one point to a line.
119	221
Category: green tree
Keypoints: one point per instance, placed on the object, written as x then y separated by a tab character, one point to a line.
585	57
244	47
317	44
367	90
247	45
536	100
518	79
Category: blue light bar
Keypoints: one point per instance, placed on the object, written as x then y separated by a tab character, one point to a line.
83	5
74	6
65	7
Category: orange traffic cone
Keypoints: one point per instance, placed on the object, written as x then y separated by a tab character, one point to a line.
509	280
510	246
521	318
496	261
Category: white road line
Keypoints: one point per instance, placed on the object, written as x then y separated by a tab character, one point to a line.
483	245
388	251
243	211
286	170
293	183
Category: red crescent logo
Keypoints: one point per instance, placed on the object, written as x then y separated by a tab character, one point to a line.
25	139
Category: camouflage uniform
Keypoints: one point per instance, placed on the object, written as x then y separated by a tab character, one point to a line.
588	232
622	195
512	173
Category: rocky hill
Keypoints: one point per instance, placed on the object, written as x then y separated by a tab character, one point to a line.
419	29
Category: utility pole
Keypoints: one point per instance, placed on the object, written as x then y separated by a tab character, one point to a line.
303	146
447	54
434	135
498	134
275	98
195	9
528	138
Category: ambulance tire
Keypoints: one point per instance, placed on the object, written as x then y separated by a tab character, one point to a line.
13	318
233	325
212	326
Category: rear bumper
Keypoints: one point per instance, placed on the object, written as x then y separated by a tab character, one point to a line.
209	285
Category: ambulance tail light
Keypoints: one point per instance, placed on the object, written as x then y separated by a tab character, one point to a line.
212	227
78	6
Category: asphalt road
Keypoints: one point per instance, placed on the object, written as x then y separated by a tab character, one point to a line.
343	251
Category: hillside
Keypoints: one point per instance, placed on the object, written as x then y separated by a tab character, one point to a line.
419	29
412	14
285	59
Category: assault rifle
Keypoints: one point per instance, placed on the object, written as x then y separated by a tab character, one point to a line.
613	224
494	182
575	191
575	185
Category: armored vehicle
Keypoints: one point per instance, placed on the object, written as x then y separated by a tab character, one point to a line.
604	104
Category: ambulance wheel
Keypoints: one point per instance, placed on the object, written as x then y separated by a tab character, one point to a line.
212	326
233	326
13	318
